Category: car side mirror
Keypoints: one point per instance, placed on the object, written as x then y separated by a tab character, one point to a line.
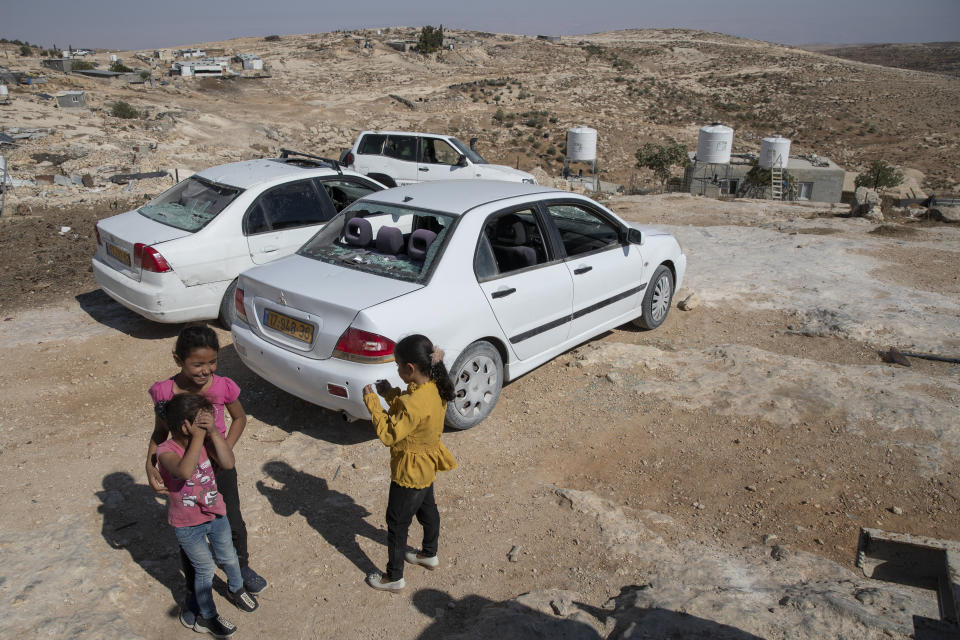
634	236
462	161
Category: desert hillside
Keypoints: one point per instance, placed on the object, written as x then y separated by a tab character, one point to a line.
517	94
934	57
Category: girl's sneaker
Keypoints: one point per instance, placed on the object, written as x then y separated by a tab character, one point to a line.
218	627
428	562
244	601
374	580
253	582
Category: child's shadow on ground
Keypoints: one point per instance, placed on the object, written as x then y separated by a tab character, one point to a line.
134	520
333	514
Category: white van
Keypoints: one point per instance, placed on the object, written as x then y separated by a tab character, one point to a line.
397	158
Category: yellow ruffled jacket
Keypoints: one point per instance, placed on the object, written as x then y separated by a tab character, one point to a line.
412	428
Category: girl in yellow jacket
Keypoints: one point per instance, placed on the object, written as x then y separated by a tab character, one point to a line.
412	428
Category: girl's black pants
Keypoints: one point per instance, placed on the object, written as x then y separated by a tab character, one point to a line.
403	504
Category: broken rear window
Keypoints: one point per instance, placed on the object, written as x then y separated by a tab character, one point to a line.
388	240
190	205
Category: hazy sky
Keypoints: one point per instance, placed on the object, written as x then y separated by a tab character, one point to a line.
142	24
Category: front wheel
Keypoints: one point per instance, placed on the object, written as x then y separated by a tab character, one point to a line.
477	379
656	302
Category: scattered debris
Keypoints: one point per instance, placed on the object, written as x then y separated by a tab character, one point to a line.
403	101
895	356
689	303
514	554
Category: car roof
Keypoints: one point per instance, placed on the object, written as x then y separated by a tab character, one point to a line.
458	196
407	133
249	173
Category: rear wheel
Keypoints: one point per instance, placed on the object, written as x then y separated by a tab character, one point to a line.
656	302
383	179
227	310
477	379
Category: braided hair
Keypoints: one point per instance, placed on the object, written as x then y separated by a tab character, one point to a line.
428	360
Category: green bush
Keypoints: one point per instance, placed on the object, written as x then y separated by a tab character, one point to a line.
123	110
119	67
83	65
25	50
272	38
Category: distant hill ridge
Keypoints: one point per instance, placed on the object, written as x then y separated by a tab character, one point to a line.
933	57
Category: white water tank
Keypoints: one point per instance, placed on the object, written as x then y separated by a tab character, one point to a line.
715	143
113	57
4	93
582	144
774	151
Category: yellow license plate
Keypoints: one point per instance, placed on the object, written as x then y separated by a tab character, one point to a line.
119	254
287	325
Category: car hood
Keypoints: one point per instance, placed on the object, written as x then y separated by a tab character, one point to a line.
648	230
326	296
502	172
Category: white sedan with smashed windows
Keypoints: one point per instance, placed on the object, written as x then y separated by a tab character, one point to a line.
502	276
177	257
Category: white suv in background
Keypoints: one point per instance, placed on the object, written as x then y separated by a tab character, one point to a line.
402	157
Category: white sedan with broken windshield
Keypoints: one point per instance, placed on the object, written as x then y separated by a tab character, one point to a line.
502	276
177	257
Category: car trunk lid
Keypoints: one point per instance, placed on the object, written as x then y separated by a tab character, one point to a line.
305	305
120	233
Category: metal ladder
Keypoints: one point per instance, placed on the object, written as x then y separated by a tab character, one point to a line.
776	181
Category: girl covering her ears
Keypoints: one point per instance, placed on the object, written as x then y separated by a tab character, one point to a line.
196	354
412	428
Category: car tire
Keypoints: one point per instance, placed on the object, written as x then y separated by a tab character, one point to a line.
227	309
477	378
656	302
383	179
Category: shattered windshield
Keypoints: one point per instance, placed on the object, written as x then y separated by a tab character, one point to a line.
189	205
388	240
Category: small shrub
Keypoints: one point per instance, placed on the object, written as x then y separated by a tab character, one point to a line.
272	38
119	67
123	110
499	116
83	65
25	50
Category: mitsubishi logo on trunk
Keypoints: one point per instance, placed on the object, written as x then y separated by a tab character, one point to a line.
281	299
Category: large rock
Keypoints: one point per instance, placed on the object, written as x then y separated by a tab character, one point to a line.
944	214
866	201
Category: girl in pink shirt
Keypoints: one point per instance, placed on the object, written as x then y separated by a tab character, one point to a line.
196	355
195	510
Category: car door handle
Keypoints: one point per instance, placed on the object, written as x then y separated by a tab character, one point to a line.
424	168
580	270
270	249
499	293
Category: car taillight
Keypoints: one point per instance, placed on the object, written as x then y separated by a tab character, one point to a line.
96	230
238	304
362	346
149	259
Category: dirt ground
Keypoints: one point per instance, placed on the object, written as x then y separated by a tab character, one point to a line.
87	552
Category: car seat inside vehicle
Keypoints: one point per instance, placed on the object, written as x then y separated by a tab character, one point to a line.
511	246
420	241
358	232
389	240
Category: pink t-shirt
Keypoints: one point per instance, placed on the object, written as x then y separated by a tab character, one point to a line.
221	392
192	501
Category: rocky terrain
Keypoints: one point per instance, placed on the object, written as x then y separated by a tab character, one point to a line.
633	86
707	479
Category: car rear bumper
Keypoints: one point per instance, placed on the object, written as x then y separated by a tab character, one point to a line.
161	299
307	378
